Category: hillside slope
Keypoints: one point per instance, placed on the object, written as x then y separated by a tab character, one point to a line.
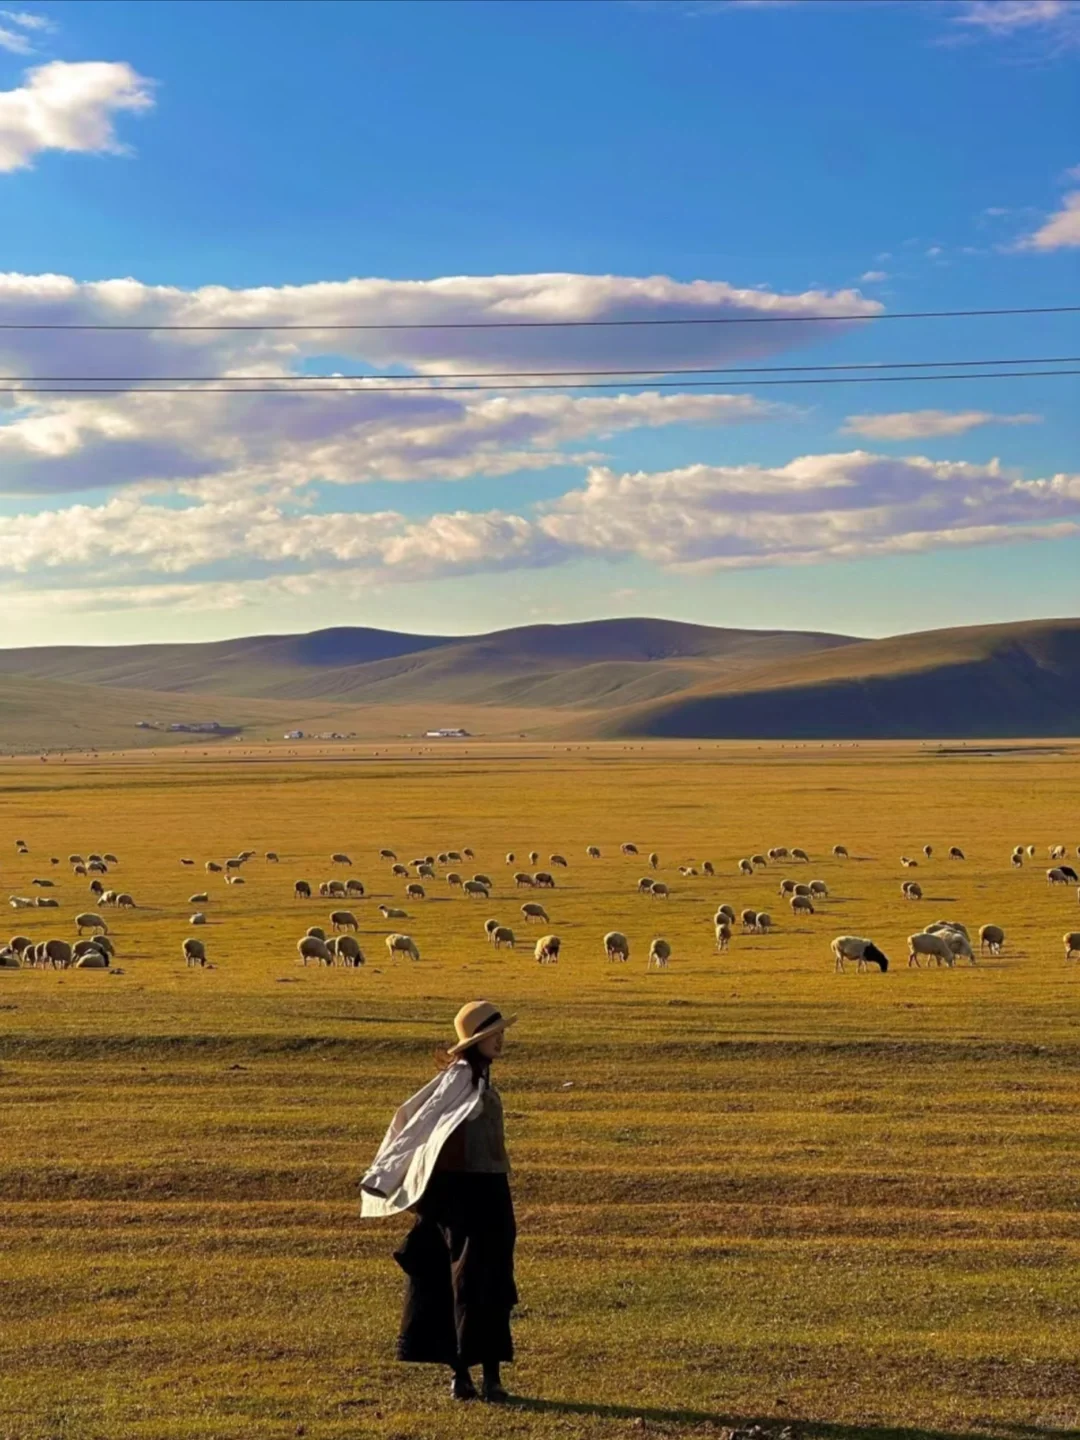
995	680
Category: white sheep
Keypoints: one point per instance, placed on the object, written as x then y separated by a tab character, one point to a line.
912	890
955	853
1072	944
201	898
616	945
340	858
346	948
416	892
523	880
645	884
724	912
402	945
310	947
991	937
749	920
1056	877
654	860
840	852
628	849
21	902
92	960
787	887
502	935
199	918
802	905
547	949
194	951
559	860
344	920
453	878
763	922
89	921
659	890
859	949
745	867
659	954
355	887
934	947
475	890
593	852
758	860
723	934
819	890
798	854
534	911
391	912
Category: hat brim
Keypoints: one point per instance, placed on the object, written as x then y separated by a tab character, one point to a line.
482	1034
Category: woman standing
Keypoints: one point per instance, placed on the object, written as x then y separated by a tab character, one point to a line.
444	1157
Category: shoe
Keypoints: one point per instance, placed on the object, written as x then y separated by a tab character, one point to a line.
462	1387
494	1394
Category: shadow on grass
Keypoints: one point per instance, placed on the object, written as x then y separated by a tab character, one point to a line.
772	1424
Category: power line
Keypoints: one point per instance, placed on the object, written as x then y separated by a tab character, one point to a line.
502	389
541	374
564	324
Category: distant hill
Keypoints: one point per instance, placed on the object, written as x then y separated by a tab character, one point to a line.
979	681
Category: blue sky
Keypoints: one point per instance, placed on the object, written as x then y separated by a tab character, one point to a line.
325	163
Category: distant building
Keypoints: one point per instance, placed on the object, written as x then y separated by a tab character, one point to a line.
294	735
446	734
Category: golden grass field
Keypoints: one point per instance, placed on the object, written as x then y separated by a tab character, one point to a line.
748	1189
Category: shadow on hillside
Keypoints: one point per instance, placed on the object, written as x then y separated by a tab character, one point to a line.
771	1425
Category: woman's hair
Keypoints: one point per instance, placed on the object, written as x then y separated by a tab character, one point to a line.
479	1064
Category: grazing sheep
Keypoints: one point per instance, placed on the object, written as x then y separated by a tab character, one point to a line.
107	897
92	960
911	890
453	857
490	926
125	901
95	859
1031	852
199	918
802	905
400	872
1069	873
749	920
934	947
415	892
484	880
344	920
90	921
840	852
687	870
544	880
235	880
312	948
21	902
654	860
1072	944
758	860
316	932
907	861
194	951
533	911
453	878
707	867
354	887
272	857
346	948
202	898
475	890
46	884
787	887
645	884
444	859
854	947
425	872
616	945
558	860
186	861
523	880
212	867
819	890
928	850
72	859
534	856
726	910
745	867
387	855
723	934
19	943
547	949
593	852
58	954
336	889
955	853
302	890
46	902
958	944
502	935
402	945
391	912
659	890
798	854
801	889
991	937
1056	877
510	857
763	922
659	954
1056	852
340	858
1017	862
96	942
78	870
468	854
940	925
629	849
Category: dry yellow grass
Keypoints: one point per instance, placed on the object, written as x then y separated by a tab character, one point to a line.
748	1188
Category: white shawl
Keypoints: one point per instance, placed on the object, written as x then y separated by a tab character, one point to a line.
399	1174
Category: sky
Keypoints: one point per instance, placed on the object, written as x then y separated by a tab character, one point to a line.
464	179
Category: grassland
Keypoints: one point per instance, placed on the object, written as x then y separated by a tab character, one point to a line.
748	1189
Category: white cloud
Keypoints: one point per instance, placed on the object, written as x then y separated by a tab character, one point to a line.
1006	17
14	25
873	277
922	424
1061	230
14	41
68	106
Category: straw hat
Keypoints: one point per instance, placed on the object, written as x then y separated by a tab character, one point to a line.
476	1020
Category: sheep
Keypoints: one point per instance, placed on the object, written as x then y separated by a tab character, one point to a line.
1069	873
186	860
340	858
707	867
344	920
1072	944
9	960
92	960
749	920
502	935
193	951
58	953
934	947
213	868
387	855
425	871
534	857
800	889
819	890
400	872
1056	877
654	860
940	925
763	922
335	889
593	852
444	859
72	859
101	943
687	870
78	870
1056	852
928	850
645	884
199	918
391	912
777	852
854	947
723	934
840	852
468	854
475	890
402	945
95	859
659	890
991	937
490	926
547	949
347	949
46	884
415	892
235	880
724	912
523	880
802	905
126	901
310	947
272	857
544	880
628	849
20	902
958	944
955	853
301	890
453	857
1031	852
46	902
533	911
616	945
90	921
907	861
911	890
1017	862
745	867
758	860
453	878
484	880
558	860
107	897
19	943
355	887
798	854
787	887
659	954
316	932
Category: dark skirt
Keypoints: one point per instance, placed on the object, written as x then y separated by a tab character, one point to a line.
459	1260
